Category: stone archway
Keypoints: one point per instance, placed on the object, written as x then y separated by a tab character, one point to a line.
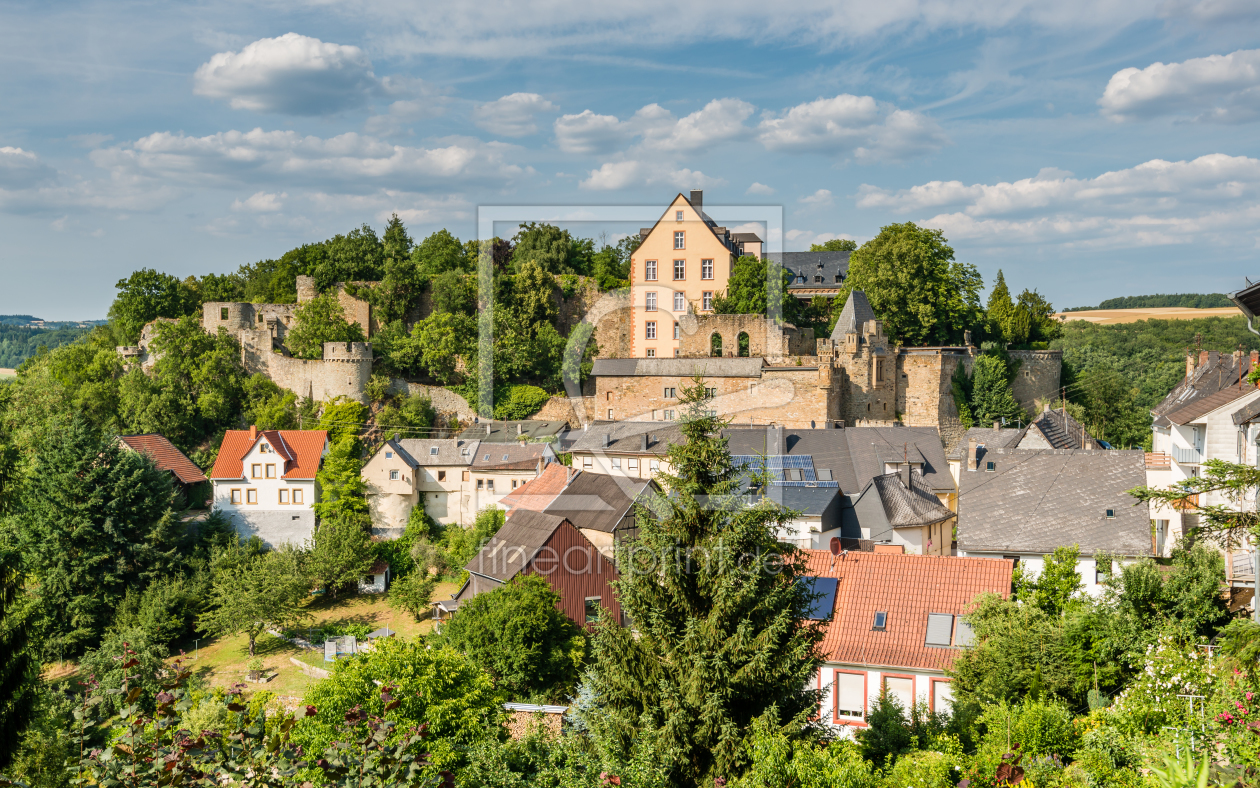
715	345
742	344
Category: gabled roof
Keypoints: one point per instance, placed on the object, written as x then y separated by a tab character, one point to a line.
301	450
915	506
165	456
626	437
1002	438
598	501
907	588
450	451
678	367
1036	500
828	265
1215	371
509	456
512	431
514	546
1204	405
720	233
537	493
857	310
1060	430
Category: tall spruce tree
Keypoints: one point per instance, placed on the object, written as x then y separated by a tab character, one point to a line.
95	521
719	636
19	669
999	310
991	396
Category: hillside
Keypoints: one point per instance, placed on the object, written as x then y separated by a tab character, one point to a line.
1109	316
18	343
1187	300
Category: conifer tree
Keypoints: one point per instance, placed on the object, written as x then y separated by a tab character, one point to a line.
991	396
19	670
718	636
999	310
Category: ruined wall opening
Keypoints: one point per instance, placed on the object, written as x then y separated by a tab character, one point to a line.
715	345
742	342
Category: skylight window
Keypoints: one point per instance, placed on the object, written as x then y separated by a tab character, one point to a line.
505	458
940	629
881	621
433	451
486	458
990	467
1111	514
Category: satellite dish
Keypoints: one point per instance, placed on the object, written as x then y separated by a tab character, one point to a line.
835	545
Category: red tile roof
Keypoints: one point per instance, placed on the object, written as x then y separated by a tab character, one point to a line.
535	494
907	588
302	450
165	456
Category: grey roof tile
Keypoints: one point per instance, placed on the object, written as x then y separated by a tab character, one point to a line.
1003	438
450	451
857	310
678	367
626	437
916	506
597	501
1036	500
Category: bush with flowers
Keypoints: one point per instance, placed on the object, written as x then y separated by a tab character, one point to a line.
1174	666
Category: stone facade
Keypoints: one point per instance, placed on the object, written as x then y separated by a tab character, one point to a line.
765	338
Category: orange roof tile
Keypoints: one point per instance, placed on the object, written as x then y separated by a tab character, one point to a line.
535	494
165	456
907	588
301	449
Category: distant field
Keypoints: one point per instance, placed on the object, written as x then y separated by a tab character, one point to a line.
6	372
1156	313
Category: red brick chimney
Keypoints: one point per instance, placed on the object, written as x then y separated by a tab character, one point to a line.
253	432
1203	357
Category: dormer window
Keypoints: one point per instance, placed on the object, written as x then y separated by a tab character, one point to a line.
881	621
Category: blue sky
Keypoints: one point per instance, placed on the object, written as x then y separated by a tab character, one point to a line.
1089	148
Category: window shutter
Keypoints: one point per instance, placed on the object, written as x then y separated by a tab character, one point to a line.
849	690
940	628
903	689
966	636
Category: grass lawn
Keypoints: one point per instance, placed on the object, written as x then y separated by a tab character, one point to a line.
223	662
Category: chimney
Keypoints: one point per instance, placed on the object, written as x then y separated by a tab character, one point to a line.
997	425
1203	357
1189	364
540	466
643	442
489	425
972	460
253	432
1089	443
395	437
780	440
904	468
607	440
520	428
697	199
1214	356
1045	408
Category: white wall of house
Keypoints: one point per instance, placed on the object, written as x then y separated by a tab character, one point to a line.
924	686
261	503
635	467
1033	563
374	583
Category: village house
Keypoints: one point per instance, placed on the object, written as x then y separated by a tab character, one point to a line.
264	482
1021	504
187	476
499	468
813	273
897	624
404	472
1052	429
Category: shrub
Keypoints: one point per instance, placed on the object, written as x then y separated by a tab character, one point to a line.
1040	728
413	593
922	769
520	402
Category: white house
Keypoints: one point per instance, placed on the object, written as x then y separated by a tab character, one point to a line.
402	473
264	482
897	622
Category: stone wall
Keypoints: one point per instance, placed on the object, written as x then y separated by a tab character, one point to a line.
445	402
1038	379
344	370
558	408
766	339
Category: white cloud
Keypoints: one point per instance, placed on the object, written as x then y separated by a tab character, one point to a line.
759	188
290	75
655	127
821	197
847	124
1213	198
1218	88
630	173
260	202
512	115
803	239
347	162
22	169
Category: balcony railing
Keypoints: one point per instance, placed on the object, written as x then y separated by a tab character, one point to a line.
1186	455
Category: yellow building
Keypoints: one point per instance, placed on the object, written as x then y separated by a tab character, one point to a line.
681	263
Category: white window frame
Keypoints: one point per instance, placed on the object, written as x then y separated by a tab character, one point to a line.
649	329
706	269
680	302
680	270
649	302
680	239
649	270
297	495
706	300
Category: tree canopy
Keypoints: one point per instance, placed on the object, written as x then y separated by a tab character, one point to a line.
318	321
746	292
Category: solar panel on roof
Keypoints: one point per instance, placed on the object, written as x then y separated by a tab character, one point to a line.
785	470
823	589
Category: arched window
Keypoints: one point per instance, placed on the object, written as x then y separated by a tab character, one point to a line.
715	345
743	344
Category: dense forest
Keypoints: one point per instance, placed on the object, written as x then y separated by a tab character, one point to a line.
1187	300
18	343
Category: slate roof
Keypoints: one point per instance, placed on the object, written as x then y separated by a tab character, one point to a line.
517	542
538	492
1003	438
1247	413
857	310
828	265
597	501
1036	500
812	501
1218	371
165	456
301	449
626	437
506	431
1060	430
915	506
508	456
907	588
1204	405
853	454
678	367
450	451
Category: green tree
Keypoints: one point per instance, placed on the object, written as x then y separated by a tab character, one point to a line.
146	660
519	402
552	249
719	637
1058	583
1017	653
1043	326
991	396
341	487
835	245
1110	412
455	292
318	321
886	734
998	311
147	295
519	636
412	414
437	345
267	592
343	418
340	554
435	686
357	256
267	406
402	283
776	760
913	282
746	291
94	521
439	253
19	667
